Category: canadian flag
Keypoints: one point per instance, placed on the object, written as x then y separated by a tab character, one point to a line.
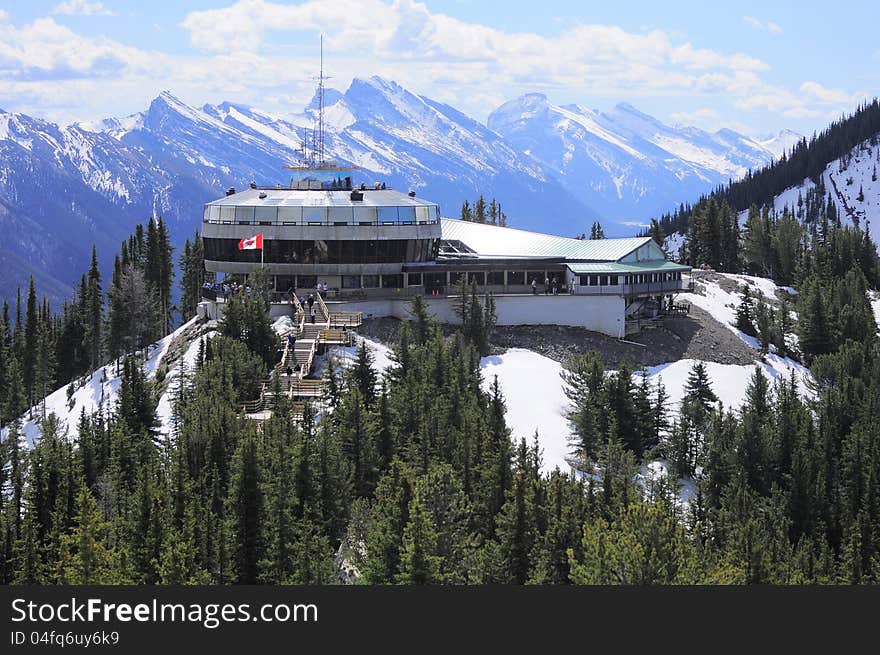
254	243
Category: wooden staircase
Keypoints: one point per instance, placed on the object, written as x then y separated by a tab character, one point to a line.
329	328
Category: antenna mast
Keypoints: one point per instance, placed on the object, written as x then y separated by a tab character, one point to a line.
320	144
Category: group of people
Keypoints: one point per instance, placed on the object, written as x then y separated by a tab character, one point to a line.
214	290
550	286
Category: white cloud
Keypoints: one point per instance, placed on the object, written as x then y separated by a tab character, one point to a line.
763	26
242	53
824	95
82	8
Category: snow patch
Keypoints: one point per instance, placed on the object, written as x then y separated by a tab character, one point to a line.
535	400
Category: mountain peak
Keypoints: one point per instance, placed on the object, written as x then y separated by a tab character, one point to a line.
626	109
331	97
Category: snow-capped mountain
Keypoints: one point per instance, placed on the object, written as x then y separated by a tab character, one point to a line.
62	189
628	165
780	143
413	142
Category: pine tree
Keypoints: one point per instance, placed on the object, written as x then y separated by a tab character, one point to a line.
764	323
247	513
745	313
466	212
480	210
596	231
385	541
363	376
31	336
94	313
86	558
419	563
192	276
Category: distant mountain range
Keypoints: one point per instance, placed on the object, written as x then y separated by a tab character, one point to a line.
553	168
625	164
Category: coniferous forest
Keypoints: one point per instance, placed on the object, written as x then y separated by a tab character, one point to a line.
413	477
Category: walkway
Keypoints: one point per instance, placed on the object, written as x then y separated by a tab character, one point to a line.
328	329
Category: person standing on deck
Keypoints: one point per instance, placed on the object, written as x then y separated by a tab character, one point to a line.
312	311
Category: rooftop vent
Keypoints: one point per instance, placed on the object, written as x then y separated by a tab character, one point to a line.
412	194
262	194
278	185
356	195
230	191
253	185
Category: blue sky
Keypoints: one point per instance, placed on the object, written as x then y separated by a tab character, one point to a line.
757	67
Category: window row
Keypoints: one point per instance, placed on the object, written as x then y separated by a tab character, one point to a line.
636	278
298	215
278	251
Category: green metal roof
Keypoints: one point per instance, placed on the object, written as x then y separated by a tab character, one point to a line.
633	267
493	241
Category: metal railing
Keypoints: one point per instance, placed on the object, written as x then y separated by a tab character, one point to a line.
667	286
324	310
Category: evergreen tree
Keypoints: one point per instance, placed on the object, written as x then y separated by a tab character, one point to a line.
419	564
745	313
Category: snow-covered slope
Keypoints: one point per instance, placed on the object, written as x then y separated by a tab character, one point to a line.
628	164
852	181
99	392
536	400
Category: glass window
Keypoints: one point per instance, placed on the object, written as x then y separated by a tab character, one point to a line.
423	215
394	281
583	280
371	281
406	215
495	277
306	281
284	282
314	215
435	280
365	214
351	281
289	215
387	214
414	279
265	215
516	277
214	214
227	214
479	277
341	215
594	280
244	214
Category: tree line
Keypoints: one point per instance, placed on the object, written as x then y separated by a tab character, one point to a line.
480	212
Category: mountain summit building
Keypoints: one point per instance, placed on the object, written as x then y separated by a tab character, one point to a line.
374	248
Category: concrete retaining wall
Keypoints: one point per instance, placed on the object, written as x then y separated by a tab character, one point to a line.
598	313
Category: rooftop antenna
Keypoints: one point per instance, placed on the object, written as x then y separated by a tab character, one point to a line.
320	136
312	145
